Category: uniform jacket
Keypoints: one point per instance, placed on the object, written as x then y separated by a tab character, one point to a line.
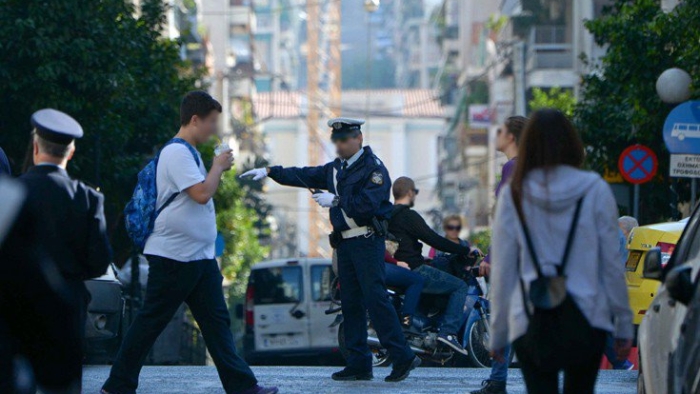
73	221
363	188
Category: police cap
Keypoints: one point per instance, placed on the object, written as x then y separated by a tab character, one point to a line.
345	127
56	126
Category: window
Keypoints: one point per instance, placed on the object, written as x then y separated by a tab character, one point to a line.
282	285
321	279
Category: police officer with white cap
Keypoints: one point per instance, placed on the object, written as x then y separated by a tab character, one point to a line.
357	192
72	214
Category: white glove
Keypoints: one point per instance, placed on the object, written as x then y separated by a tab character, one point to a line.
257	174
324	199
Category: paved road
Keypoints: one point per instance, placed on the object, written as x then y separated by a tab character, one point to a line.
315	380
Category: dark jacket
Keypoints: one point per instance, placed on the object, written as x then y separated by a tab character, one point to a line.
73	221
363	188
410	228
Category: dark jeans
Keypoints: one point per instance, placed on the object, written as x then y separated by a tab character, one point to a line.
439	282
170	283
579	377
411	282
612	355
499	370
361	270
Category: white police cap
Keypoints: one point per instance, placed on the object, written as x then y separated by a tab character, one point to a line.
56	126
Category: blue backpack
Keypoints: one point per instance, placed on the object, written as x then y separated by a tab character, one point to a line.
141	212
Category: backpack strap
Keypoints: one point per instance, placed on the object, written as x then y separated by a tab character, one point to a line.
196	159
570	238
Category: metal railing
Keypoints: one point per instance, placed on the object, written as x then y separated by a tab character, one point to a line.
549	47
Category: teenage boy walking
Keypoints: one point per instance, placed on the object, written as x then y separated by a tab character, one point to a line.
180	253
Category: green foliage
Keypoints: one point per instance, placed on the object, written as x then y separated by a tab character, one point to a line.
619	104
556	97
106	67
481	240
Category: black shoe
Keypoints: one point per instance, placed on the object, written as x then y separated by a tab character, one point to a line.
491	387
350	374
451	341
401	372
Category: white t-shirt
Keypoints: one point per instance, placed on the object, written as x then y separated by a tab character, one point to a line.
185	230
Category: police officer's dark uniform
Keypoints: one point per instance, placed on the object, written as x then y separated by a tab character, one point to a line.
36	315
359	208
72	214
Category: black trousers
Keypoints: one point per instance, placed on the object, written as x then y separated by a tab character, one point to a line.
170	283
579	377
361	270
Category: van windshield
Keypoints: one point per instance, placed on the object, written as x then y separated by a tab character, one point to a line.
281	285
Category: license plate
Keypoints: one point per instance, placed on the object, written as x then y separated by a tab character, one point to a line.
280	341
633	260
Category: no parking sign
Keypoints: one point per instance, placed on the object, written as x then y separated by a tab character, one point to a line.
638	164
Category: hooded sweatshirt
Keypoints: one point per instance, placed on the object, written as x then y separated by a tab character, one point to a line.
595	277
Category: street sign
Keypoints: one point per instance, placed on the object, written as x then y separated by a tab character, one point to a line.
638	164
685	166
682	129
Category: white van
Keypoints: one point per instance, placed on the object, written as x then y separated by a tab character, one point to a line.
284	312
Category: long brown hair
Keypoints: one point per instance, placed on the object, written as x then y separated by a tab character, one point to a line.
549	140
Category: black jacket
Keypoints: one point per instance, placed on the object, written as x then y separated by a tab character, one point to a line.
409	228
72	221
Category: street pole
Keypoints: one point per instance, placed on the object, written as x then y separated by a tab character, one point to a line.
693	193
635	209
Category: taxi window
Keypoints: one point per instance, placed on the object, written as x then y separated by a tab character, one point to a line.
280	285
321	277
633	260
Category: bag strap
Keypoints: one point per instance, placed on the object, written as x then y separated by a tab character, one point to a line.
196	159
570	238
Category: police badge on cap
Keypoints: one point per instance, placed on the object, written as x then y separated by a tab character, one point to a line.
342	128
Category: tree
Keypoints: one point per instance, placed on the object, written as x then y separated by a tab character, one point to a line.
108	68
556	97
619	105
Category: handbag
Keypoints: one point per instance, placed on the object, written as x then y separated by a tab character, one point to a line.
557	328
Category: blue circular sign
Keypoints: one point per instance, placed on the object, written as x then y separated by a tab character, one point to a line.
638	164
682	129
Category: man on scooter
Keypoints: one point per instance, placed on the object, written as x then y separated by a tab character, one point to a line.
410	228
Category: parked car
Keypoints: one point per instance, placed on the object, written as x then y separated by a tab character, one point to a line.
285	313
104	318
665	323
641	240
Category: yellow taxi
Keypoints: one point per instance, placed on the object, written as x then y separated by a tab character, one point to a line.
662	235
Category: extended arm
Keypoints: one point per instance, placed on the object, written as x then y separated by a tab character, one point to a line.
308	177
420	229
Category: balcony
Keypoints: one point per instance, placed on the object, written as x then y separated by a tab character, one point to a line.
550	48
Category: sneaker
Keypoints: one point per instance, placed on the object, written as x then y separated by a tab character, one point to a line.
401	372
350	375
491	387
451	341
260	390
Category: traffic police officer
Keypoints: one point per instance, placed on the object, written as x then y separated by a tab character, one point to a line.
72	214
358	186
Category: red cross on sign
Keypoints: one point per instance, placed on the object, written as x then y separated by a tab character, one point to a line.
638	164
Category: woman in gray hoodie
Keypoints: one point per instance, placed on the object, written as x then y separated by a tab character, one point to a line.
546	189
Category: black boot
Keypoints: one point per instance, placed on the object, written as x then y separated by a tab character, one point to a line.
348	374
491	387
401	372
